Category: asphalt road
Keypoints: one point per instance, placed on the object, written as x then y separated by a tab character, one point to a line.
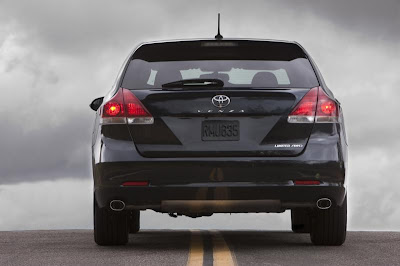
151	247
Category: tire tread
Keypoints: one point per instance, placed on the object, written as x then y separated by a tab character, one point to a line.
110	227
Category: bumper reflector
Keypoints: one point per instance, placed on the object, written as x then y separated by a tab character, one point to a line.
307	182
135	183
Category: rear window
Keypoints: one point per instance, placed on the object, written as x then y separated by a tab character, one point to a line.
241	64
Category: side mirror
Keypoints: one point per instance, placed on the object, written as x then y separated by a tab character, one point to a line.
96	103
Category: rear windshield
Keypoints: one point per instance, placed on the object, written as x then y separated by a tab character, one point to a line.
241	64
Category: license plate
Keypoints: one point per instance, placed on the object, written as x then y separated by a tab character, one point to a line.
220	130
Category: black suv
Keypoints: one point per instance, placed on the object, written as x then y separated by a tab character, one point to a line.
197	127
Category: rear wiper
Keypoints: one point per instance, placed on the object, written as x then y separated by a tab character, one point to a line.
194	83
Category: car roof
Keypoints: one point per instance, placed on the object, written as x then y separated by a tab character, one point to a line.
218	40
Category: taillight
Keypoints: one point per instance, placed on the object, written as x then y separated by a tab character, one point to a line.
314	106
112	109
136	113
327	111
304	112
123	108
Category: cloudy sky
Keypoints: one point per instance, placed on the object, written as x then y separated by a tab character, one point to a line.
56	56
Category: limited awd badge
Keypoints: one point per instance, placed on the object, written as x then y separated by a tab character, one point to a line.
220	101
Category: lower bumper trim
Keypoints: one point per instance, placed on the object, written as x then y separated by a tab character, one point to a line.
220	206
263	198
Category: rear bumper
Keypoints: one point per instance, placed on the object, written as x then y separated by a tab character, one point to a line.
223	179
241	185
232	197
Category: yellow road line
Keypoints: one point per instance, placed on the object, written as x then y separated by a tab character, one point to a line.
196	252
222	255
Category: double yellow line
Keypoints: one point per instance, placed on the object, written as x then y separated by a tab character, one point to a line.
222	255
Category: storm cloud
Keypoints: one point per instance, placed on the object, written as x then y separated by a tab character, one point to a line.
55	57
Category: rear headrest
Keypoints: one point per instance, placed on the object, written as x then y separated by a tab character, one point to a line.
222	76
165	76
264	79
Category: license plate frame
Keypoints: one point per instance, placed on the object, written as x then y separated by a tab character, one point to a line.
220	130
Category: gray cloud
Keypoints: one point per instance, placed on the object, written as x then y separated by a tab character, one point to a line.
77	27
371	20
49	151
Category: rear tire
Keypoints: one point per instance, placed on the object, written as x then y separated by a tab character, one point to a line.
301	220
134	222
329	226
110	227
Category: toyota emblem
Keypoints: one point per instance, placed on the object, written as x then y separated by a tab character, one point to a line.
220	101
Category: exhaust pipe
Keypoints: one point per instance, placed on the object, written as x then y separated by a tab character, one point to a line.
117	205
324	203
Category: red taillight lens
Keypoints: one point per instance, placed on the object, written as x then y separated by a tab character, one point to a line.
327	108
304	111
314	106
136	110
327	111
133	105
125	107
112	108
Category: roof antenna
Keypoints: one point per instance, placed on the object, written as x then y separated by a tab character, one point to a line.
218	36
